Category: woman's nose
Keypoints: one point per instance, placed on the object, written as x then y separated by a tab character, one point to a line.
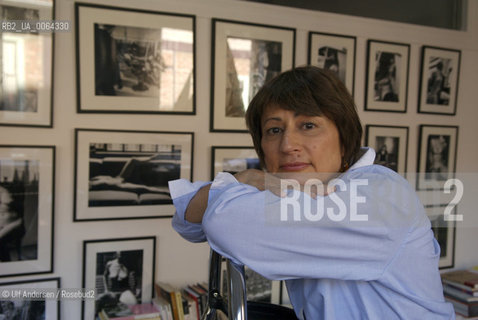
291	142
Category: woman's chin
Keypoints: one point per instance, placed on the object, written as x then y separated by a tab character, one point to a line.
307	176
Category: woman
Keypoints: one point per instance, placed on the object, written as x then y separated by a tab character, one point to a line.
363	249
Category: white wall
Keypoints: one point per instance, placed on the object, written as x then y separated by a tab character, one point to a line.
178	261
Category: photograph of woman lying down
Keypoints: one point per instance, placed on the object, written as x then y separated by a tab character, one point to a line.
350	238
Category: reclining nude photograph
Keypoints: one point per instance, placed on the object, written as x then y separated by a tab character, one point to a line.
131	174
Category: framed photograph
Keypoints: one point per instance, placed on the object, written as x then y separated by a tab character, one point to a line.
436	156
233	159
440	71
387	76
15	308
134	61
26	67
390	144
123	174
121	271
244	57
27	190
444	232
336	53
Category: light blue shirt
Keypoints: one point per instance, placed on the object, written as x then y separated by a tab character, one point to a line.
383	268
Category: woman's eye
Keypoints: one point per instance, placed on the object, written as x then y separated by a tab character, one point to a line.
309	125
274	130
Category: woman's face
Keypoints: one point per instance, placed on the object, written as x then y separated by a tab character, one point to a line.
295	143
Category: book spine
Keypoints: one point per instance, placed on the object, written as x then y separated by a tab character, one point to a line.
460	285
469	291
195	297
466	309
459	294
163	313
102	315
179	305
459	307
174	306
472	283
170	297
169	311
202	297
148	316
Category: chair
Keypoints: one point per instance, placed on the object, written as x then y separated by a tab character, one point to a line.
237	307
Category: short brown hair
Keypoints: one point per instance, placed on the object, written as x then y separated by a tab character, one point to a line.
311	91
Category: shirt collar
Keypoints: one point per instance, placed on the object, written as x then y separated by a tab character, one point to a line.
367	157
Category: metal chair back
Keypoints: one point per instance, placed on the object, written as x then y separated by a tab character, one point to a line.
235	308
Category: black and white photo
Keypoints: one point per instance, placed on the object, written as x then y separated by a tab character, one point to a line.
335	53
244	57
26	211
139	61
26	66
243	82
439	80
390	144
387	76
143	170
437	156
233	159
125	169
19	210
444	232
120	270
35	309
258	288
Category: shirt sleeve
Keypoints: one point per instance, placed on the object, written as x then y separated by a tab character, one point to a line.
182	191
247	226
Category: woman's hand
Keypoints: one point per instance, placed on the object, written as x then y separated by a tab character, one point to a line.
198	205
260	179
253	177
256	178
267	181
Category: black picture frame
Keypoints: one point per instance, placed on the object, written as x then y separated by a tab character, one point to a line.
26	89
120	170
233	159
334	52
444	232
387	76
390	144
142	77
49	307
28	185
439	78
437	152
236	40
134	260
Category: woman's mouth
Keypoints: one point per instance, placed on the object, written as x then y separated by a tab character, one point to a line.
294	166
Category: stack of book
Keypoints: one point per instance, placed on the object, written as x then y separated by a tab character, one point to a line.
169	303
187	303
461	289
120	311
